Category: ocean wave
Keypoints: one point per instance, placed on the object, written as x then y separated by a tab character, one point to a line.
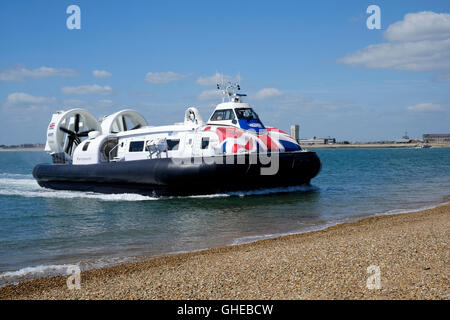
76	195
255	238
37	270
411	210
246	193
201	196
327	224
256	192
28	273
7	183
15	175
29	188
22	185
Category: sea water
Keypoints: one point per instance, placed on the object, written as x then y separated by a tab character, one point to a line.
43	231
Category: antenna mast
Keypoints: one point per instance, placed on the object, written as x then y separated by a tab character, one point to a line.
229	90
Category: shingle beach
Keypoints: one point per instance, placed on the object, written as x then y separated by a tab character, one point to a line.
411	252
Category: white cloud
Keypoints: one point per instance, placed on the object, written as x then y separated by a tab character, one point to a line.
141	93
210	95
262	94
267	93
20	97
408	56
104	103
427	106
164	77
73	103
215	79
443	77
88	89
27	102
420	42
101	74
20	73
420	26
309	104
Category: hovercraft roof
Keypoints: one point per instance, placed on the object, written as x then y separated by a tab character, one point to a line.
231	105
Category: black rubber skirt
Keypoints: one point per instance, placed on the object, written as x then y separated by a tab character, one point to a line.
189	176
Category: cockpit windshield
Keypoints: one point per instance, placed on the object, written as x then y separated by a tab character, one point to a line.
246	114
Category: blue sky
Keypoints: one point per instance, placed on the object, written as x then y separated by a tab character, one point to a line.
314	63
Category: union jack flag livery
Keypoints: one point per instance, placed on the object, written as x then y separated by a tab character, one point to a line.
235	140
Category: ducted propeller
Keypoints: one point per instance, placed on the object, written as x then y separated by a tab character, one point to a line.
74	137
124	120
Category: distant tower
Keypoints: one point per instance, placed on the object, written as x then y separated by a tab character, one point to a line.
295	131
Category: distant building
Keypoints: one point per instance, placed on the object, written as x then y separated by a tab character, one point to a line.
404	139
295	131
23	146
318	141
436	138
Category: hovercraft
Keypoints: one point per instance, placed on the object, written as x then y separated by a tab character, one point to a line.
121	153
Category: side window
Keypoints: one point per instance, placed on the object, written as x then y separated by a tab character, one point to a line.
205	143
136	146
217	116
226	114
173	144
229	115
86	145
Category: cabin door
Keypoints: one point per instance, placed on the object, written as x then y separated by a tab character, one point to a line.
192	145
189	145
197	146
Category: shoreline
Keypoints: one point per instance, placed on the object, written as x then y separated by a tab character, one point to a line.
306	146
371	146
123	277
21	149
241	240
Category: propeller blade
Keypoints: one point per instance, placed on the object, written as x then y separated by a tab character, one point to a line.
66	130
69	145
84	133
77	123
124	124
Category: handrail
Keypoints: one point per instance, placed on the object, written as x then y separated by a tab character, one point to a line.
109	153
153	148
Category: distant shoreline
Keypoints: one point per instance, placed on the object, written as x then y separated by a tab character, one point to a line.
20	149
368	146
305	146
